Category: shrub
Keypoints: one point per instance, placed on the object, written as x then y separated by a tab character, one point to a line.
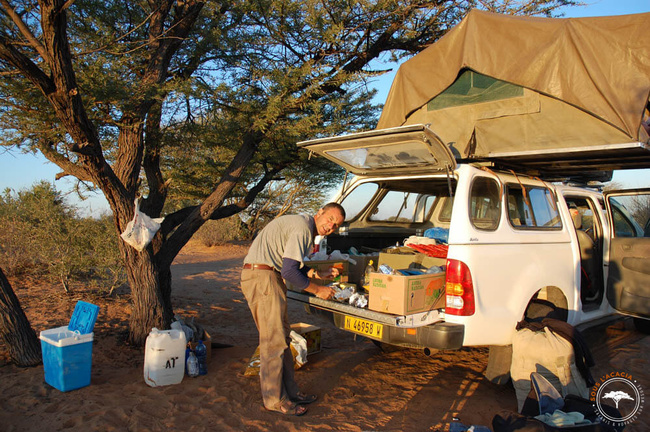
42	234
220	232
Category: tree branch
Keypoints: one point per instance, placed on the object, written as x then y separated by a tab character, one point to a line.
207	209
59	87
242	204
24	30
21	62
162	47
172	220
65	97
68	167
151	162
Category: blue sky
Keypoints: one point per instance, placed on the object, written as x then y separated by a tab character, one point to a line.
20	171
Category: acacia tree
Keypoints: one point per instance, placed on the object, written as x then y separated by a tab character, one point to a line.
15	330
617	396
100	87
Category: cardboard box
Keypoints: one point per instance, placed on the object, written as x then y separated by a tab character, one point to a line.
208	344
404	295
358	270
400	261
253	366
311	333
343	267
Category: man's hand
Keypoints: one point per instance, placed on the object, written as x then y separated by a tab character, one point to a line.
328	273
320	291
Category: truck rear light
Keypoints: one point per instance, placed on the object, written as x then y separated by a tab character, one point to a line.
459	289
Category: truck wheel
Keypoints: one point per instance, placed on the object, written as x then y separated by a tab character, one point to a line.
539	309
548	302
642	325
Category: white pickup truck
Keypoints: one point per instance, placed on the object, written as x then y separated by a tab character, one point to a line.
500	141
517	245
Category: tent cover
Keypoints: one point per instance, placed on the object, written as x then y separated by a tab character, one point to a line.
550	96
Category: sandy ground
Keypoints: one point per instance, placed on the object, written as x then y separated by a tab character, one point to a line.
360	387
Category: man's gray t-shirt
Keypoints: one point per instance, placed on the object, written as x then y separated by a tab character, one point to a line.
290	236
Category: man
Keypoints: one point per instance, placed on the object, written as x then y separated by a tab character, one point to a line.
276	255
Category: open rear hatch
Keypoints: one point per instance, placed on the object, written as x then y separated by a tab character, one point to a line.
415	148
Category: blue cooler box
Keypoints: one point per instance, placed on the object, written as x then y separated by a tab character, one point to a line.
67	351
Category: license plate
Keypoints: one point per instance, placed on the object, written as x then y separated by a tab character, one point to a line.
364	327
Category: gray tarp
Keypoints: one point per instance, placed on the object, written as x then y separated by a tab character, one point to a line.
586	82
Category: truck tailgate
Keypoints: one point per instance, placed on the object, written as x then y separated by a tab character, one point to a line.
414	320
421	330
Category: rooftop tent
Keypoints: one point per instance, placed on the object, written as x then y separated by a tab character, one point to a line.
551	96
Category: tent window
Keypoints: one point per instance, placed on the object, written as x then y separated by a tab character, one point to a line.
472	88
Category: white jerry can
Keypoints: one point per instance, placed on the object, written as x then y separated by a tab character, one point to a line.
164	357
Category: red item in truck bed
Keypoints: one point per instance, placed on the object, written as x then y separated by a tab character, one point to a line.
437	251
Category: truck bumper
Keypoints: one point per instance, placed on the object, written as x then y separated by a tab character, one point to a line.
396	330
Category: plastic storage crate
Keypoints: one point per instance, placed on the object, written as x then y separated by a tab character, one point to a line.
67	350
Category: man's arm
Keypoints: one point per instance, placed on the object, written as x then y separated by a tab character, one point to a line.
300	278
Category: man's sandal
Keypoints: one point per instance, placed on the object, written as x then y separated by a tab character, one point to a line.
290	408
304	399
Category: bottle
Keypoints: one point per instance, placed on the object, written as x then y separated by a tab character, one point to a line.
202	357
192	365
188	350
323	245
386	269
366	277
164	357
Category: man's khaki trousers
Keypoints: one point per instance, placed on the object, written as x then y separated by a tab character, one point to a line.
266	295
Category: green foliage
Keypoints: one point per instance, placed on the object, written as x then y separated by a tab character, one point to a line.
283	70
283	197
293	70
42	235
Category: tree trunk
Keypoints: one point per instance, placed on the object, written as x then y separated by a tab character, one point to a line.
149	271
15	330
150	294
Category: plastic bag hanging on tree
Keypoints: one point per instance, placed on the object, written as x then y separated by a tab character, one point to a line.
141	229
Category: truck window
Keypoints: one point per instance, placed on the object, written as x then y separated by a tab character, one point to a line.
357	199
535	209
485	204
630	214
445	211
404	207
424	205
586	219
